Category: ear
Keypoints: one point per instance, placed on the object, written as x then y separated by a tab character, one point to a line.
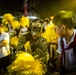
63	27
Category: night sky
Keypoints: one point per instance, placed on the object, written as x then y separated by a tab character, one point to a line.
45	8
10	6
49	8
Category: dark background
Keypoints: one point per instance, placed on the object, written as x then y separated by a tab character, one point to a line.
44	8
10	6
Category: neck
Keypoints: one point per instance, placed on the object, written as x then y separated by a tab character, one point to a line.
69	35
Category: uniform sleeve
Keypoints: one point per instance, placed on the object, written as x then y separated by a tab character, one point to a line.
59	46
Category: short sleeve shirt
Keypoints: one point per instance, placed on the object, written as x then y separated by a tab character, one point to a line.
70	59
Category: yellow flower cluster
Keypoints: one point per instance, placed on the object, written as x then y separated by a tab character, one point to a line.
10	19
50	35
7	18
5	28
26	55
24	21
25	64
14	41
15	24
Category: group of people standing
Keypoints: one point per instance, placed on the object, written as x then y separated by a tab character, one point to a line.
64	25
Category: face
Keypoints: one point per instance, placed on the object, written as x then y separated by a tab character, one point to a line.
60	31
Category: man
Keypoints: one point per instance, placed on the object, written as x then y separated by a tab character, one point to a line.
64	26
4	50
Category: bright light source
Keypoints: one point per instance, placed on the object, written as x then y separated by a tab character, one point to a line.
32	17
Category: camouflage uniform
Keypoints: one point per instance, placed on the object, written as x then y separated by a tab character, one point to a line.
22	40
40	48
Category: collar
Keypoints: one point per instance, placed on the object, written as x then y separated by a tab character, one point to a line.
71	44
71	38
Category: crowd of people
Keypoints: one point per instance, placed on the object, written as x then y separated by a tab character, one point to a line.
33	34
64	24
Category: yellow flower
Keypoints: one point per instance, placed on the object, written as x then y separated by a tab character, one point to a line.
14	41
5	28
37	68
15	24
24	55
50	35
24	21
8	17
25	64
4	21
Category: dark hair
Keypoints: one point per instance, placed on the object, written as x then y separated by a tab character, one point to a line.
64	17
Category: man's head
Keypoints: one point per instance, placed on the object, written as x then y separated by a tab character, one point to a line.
64	18
63	21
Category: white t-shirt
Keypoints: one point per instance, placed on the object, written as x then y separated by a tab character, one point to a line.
4	51
70	61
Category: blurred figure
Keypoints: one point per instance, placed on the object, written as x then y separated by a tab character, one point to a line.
4	50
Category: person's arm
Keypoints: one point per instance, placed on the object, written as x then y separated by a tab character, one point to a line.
3	43
58	63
